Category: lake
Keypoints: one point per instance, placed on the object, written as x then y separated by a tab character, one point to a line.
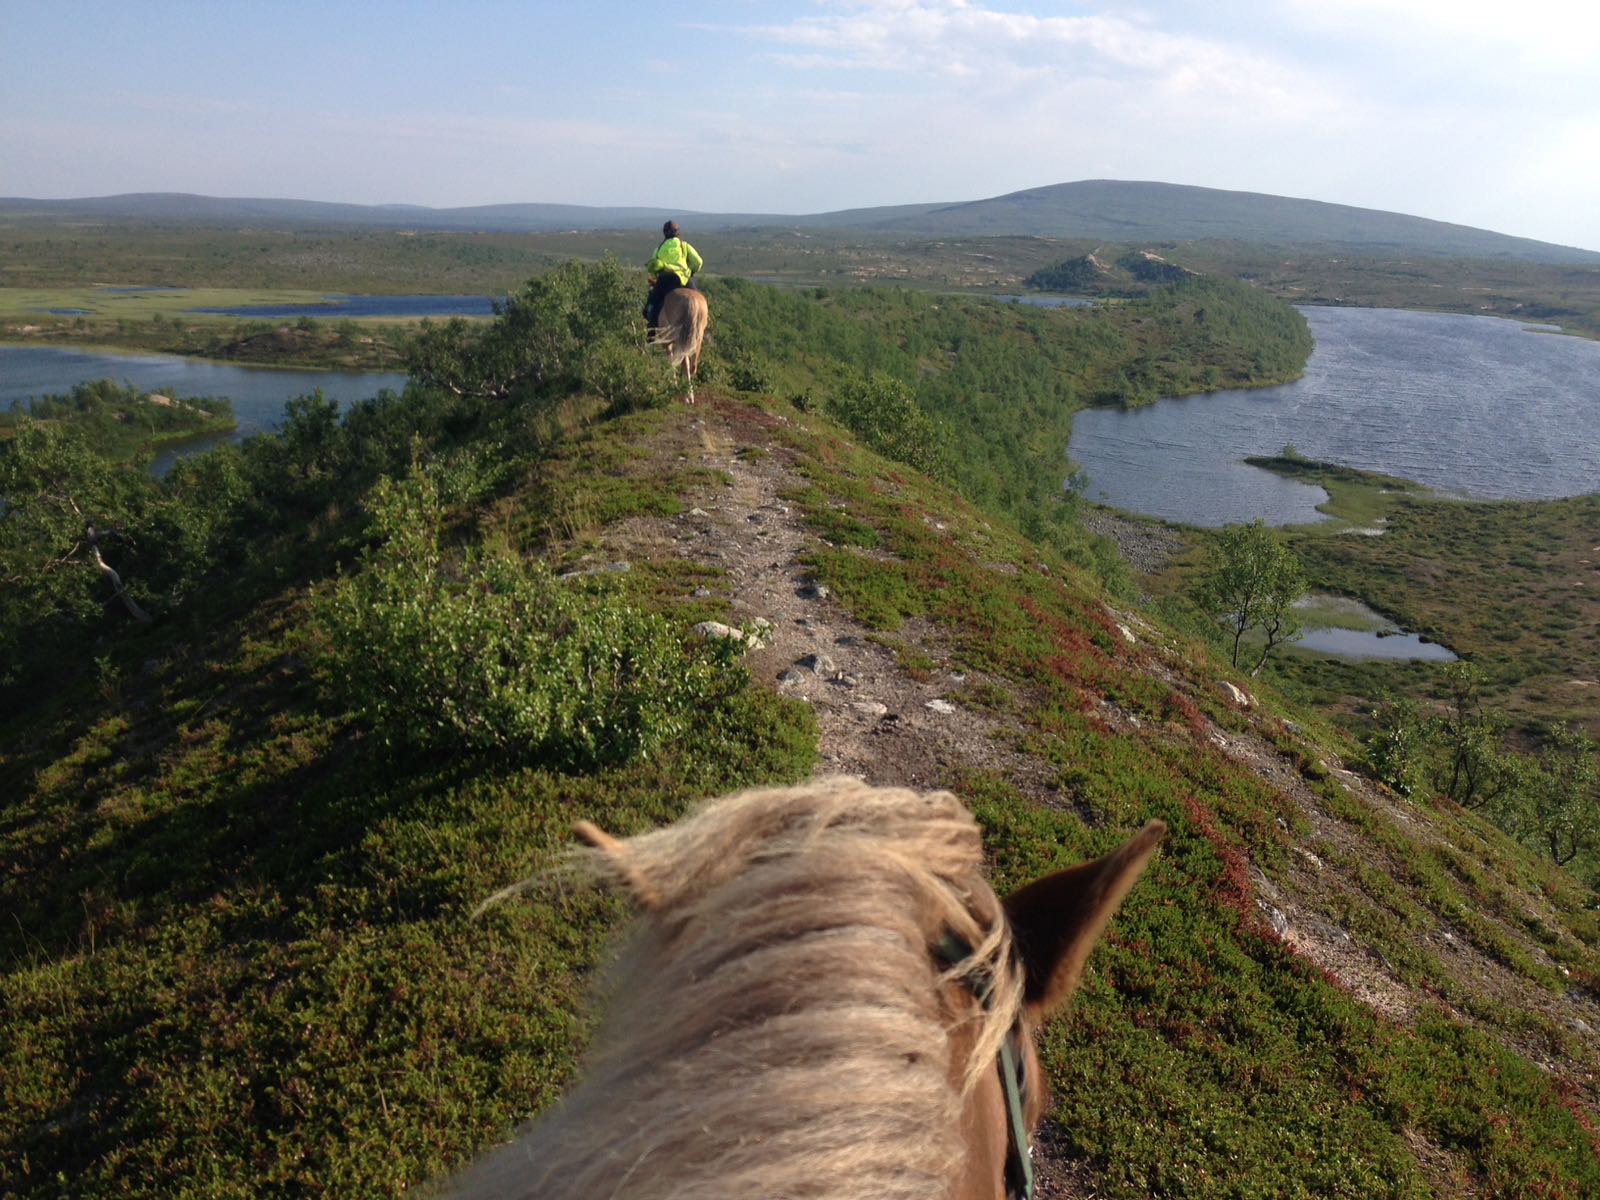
1473	406
258	393
1049	301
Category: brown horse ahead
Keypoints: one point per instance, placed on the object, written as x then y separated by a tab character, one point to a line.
681	328
822	999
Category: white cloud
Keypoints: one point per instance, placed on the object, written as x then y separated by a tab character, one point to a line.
1464	48
953	37
1419	106
1558	28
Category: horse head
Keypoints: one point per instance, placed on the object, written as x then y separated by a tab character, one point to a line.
821	997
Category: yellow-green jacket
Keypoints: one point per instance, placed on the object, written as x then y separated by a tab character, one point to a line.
676	257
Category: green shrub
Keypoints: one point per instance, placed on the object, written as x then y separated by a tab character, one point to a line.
484	651
542	342
628	377
1397	747
749	373
883	413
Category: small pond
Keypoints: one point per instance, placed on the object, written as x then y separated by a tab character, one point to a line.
1347	628
1049	301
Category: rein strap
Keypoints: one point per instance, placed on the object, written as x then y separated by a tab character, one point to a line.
952	952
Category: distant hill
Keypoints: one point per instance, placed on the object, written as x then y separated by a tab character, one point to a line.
182	207
1146	212
1089	209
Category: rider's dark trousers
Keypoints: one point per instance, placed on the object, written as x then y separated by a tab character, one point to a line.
665	282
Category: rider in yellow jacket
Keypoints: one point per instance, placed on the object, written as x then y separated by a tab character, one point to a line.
674	265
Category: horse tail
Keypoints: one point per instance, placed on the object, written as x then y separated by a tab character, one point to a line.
682	325
699	322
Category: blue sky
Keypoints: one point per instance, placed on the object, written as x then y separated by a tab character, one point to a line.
1486	114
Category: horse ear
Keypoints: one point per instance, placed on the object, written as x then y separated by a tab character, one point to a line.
1056	921
616	856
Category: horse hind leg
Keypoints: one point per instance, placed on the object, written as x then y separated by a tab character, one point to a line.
691	366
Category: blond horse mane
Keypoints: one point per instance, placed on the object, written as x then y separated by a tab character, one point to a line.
681	328
777	1025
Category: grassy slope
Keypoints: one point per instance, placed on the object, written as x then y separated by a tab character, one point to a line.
238	955
241	960
241	949
1205	1041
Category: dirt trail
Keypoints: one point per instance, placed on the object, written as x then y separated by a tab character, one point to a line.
876	719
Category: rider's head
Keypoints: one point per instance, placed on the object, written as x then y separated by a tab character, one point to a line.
670	229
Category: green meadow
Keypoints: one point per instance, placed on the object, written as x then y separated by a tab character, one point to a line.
115	303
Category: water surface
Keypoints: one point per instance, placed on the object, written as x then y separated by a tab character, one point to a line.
1475	406
1049	301
1365	644
258	393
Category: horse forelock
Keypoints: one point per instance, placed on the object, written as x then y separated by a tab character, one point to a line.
777	1024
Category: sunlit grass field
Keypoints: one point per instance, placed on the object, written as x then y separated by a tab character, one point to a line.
119	302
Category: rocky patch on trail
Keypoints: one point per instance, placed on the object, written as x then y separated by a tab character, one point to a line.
1144	546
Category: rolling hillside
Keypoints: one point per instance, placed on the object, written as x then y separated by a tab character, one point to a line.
1137	212
1089	209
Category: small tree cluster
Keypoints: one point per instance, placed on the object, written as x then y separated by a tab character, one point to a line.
88	541
1473	767
574	328
1549	799
1562	807
1252	581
